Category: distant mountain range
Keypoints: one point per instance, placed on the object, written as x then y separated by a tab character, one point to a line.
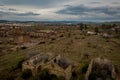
55	22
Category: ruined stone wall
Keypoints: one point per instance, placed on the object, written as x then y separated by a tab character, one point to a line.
53	67
68	73
101	67
31	67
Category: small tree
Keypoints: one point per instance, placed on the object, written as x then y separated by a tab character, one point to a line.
116	31
85	26
81	26
96	29
114	25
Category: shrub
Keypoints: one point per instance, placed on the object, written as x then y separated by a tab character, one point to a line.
93	75
45	75
53	77
89	44
86	55
94	46
77	74
61	35
31	54
107	40
23	47
81	77
19	65
83	37
61	78
52	39
84	68
96	29
74	74
26	74
42	42
64	63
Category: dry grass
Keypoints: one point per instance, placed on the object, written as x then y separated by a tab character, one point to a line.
73	47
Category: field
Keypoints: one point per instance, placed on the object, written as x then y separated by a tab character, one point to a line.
73	45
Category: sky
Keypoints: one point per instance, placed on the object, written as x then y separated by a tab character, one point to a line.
60	10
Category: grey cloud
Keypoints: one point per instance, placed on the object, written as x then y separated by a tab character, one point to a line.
14	16
95	2
17	14
11	9
114	12
81	9
4	14
27	14
1	5
115	2
35	3
73	10
7	9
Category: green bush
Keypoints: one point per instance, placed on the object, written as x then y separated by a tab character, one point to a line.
77	74
96	29
84	68
61	78
23	47
16	66
53	77
45	75
107	40
89	44
74	74
19	64
94	46
93	75
26	74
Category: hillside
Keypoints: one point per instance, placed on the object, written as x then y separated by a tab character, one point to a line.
73	45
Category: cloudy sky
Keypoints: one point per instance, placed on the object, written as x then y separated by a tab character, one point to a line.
59	10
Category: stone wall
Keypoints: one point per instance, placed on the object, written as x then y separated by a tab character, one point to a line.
100	68
51	65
